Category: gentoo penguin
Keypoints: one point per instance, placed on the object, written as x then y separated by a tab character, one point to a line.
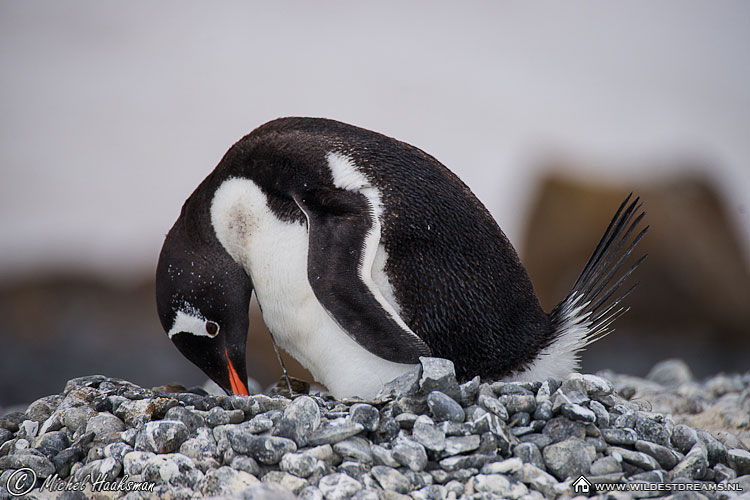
366	253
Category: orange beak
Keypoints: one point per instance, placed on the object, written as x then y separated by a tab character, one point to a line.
238	387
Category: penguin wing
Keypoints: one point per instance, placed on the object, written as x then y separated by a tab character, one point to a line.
343	237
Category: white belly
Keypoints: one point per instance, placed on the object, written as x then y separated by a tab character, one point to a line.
274	253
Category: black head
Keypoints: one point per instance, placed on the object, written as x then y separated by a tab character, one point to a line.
203	296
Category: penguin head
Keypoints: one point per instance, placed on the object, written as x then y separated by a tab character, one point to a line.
202	298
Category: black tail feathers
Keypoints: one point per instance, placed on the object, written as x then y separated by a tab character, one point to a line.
594	302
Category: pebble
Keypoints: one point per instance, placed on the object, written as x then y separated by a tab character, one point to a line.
264	449
443	407
410	454
597	386
649	430
666	457
354	448
287	481
430	438
427	434
456	445
225	481
404	385
619	436
606	465
338	486
391	479
300	419
693	466
642	460
577	412
103	424
439	374
561	428
684	438
739	460
570	458
529	453
163	436
299	464
333	431
366	415
671	372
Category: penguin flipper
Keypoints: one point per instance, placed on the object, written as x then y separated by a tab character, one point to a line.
343	237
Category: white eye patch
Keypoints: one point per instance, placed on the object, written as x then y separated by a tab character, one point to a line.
191	321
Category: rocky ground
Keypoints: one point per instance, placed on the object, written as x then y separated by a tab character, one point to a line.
425	437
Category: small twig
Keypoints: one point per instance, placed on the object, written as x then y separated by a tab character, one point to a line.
283	367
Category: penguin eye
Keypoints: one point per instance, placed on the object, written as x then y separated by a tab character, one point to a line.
212	328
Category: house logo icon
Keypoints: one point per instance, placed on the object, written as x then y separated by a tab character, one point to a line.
582	485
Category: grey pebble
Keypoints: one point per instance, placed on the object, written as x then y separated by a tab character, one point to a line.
597	386
529	453
739	460
499	485
355	448
469	391
561	428
670	372
299	464
649	430
383	456
52	442
264	449
666	457
247	404
456	445
642	460
452	464
39	464
366	415
245	464
578	413
406	420
489	402
191	419
619	436
104	423
333	431
443	407
404	385
426	433
602	415
163	436
606	465
300	419
684	438
410	454
338	486
569	458
543	410
515	403
287	481
693	466
439	374
716	452
391	479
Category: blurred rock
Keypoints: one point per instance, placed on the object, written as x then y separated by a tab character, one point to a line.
61	323
694	287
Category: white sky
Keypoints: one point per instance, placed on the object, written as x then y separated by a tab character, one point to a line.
111	113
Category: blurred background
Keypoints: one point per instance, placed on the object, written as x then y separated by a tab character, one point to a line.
112	113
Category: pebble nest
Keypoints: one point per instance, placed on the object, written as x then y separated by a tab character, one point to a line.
424	437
